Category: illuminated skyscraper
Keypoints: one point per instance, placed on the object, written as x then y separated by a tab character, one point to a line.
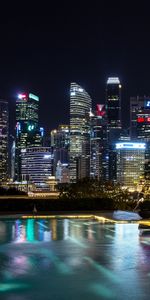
140	125
143	134
28	133
113	103
137	104
99	144
36	166
60	145
3	140
143	125
130	163
80	107
113	109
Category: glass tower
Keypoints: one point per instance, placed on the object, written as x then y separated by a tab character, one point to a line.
113	108
80	107
36	166
28	133
3	140
137	104
140	125
99	145
60	145
130	163
113	102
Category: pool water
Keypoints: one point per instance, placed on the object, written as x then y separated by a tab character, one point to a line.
73	259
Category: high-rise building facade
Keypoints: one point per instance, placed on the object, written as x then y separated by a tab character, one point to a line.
140	125
60	145
143	134
36	166
28	133
79	155
130	163
4	128
143	124
137	105
114	124
113	103
99	144
62	173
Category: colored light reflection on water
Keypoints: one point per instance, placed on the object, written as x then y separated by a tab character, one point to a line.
73	259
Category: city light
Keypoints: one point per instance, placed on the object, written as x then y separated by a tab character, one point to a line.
47	156
113	80
130	145
30	127
34	97
21	96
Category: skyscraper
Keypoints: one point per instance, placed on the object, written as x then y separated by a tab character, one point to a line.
113	102
4	123
137	104
113	109
79	158
60	145
143	134
36	166
99	144
140	125
130	163
28	133
143	124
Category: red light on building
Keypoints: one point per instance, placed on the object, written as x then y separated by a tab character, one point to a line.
148	119
22	96
100	110
140	120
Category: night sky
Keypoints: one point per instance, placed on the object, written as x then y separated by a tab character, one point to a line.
43	49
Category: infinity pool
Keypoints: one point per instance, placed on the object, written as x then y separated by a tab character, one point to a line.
73	259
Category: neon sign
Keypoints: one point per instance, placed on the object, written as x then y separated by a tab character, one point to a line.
130	146
34	97
142	120
30	127
21	96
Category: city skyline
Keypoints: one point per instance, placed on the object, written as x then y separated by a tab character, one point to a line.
48	126
44	51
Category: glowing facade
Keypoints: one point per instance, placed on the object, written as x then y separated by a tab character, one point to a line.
130	163
140	125
60	145
113	103
3	140
99	151
28	133
79	156
137	105
36	166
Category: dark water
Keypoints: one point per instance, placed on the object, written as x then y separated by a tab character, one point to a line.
73	259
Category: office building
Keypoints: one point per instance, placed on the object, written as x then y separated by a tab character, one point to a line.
143	134
28	133
36	166
60	145
137	105
114	124
113	103
62	173
130	163
4	125
140	125
99	144
79	154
